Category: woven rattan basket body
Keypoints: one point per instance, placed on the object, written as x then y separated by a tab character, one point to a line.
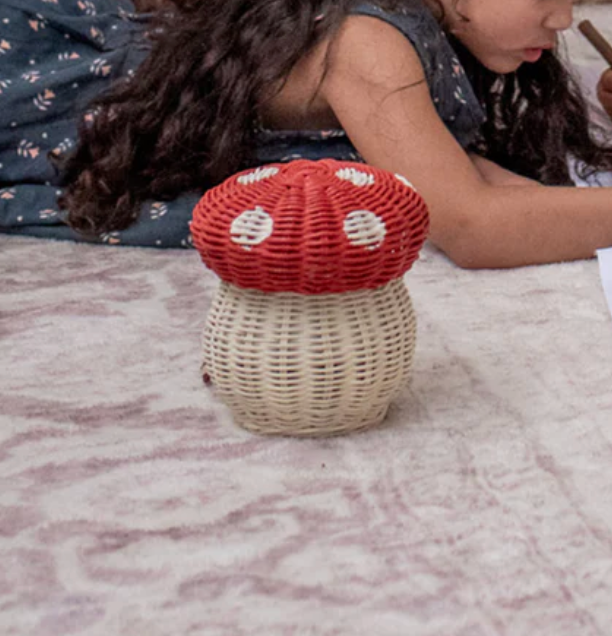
294	364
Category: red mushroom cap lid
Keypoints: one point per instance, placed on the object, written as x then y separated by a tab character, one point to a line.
310	227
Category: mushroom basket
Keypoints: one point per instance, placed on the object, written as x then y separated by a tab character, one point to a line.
312	330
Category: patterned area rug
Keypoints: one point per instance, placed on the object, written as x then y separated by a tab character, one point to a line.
130	504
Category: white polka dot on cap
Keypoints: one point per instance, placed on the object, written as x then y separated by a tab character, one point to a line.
365	229
257	175
356	177
405	181
252	227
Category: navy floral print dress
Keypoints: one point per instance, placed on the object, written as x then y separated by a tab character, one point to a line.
57	55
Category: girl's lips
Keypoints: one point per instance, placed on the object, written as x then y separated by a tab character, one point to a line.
532	55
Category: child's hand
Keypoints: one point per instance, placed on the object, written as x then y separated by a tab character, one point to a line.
604	91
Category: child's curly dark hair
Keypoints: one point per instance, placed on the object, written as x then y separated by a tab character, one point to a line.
186	120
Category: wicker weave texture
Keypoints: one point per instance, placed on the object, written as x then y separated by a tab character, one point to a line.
290	364
311	227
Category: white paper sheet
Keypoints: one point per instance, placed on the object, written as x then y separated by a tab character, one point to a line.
605	271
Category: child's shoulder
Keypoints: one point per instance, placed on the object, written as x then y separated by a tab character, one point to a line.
416	22
449	86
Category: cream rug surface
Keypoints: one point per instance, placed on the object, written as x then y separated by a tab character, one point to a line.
130	505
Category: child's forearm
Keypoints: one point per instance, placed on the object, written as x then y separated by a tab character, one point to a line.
494	174
525	226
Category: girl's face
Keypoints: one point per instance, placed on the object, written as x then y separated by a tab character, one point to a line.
503	34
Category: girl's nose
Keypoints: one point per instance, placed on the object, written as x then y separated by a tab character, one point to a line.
561	16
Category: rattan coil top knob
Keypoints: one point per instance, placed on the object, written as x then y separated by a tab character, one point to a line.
311	227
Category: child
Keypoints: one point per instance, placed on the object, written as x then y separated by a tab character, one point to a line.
233	83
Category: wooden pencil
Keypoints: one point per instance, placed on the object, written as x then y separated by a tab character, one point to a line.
596	39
